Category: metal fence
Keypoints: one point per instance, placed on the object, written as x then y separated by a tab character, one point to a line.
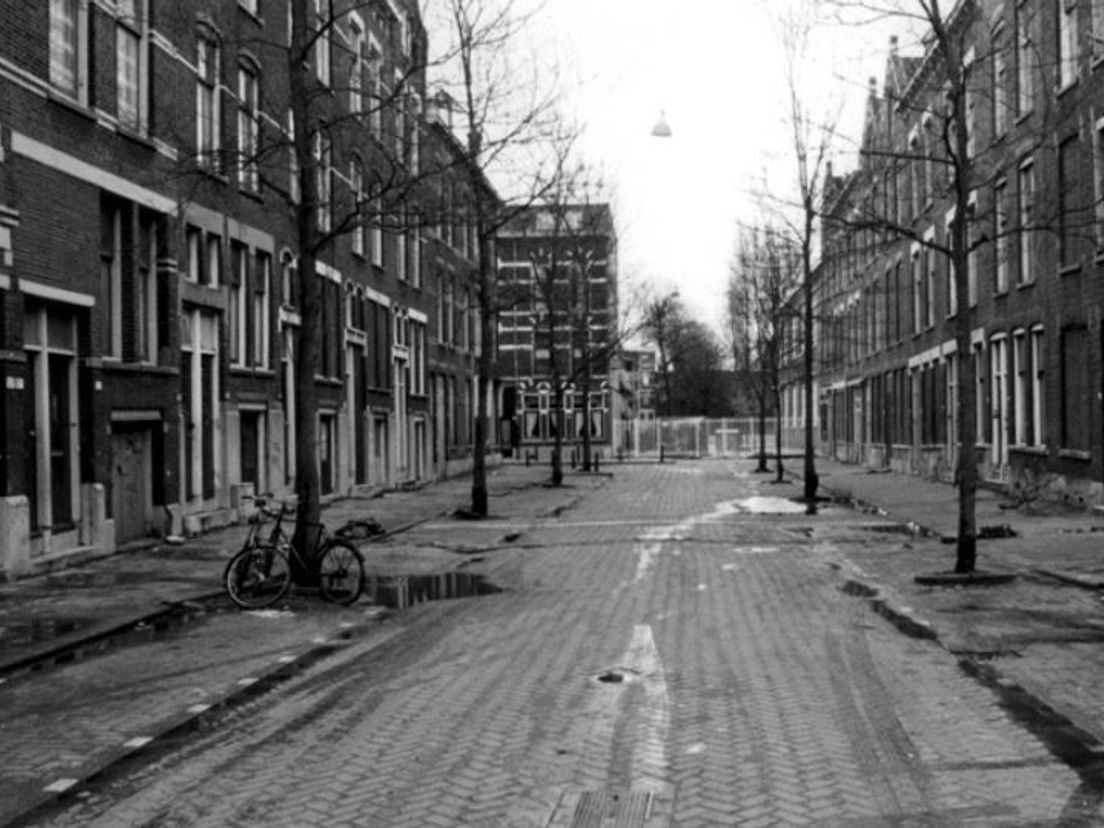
704	437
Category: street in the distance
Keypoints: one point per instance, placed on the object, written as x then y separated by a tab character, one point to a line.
673	649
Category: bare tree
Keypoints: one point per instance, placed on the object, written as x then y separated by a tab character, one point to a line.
763	276
941	143
508	121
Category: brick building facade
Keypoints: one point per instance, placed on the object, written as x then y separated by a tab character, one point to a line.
888	362
557	275
149	313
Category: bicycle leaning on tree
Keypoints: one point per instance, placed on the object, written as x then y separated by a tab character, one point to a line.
259	574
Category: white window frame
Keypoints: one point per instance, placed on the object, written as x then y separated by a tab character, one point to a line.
1067	52
321	50
68	56
356	183
1025	208
1002	220
357	44
376	235
323	157
208	100
249	85
132	70
1038	385
1096	29
261	303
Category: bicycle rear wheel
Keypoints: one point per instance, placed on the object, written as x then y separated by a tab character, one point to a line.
257	576
341	572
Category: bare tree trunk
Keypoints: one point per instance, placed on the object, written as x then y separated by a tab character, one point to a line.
811	478
308	514
479	494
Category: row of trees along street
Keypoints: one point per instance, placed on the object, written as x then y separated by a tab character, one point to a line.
508	132
943	131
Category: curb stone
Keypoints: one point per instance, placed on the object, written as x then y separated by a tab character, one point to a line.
190	718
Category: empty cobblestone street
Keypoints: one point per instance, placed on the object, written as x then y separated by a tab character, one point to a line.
668	651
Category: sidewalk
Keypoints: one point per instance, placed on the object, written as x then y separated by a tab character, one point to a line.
1043	633
150	644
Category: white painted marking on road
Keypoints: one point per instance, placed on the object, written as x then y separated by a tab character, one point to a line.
60	785
137	742
702	587
695	749
731	568
287	658
247	681
199	708
648	768
318	639
346	625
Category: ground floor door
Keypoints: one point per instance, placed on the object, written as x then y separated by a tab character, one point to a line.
131	480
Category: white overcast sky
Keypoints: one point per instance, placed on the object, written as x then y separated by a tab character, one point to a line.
716	67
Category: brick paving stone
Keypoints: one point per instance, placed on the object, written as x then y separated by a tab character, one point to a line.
756	692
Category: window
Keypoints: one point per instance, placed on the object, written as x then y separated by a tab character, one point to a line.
1025	207
293	162
401	252
1038	387
111	280
1098	176
1067	42
918	311
415	257
1096	29
356	67
69	48
999	91
259	320
1025	60
208	118
214	260
322	43
1067	202
375	89
1002	229
1021	388
930	291
237	310
1076	387
323	156
376	235
289	281
147	333
414	154
356	182
248	128
131	64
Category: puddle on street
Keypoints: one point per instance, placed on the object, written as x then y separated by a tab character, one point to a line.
763	505
25	633
400	591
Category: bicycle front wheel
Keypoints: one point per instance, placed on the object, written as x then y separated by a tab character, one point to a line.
341	572
257	576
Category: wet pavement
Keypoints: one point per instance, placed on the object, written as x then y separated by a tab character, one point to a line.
168	649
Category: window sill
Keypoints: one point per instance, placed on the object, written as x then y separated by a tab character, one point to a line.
135	137
1062	90
1023	116
72	104
252	195
1025	285
252	371
112	364
1075	454
1069	270
1038	451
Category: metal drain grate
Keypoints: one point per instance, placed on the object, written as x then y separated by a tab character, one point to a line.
602	809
